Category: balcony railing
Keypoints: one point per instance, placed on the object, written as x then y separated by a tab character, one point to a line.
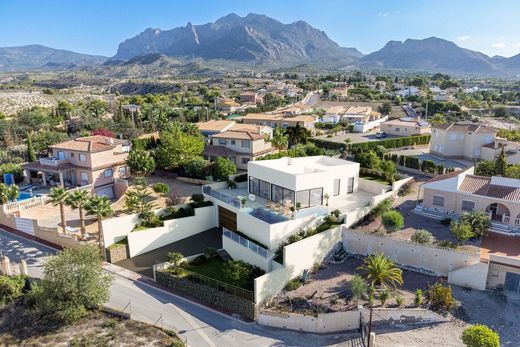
51	161
247	243
231	200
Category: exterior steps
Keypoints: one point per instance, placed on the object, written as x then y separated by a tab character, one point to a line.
224	255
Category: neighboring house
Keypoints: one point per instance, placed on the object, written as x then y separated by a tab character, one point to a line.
407	91
333	114
406	127
491	151
443	96
363	118
458	192
253	128
278	120
227	105
340	92
250	97
238	146
96	160
460	140
214	126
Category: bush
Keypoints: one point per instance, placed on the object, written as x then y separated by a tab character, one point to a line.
448	244
399	300
405	189
210	252
358	286
418	297
480	336
161	188
393	220
140	162
10	288
201	259
223	168
423	237
176	258
14	169
440	297
196	168
293	284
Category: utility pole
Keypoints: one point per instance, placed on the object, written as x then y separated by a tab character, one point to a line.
370	325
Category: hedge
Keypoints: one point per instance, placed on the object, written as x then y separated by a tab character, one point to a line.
371	145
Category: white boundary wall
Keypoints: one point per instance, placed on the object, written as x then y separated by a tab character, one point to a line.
346	320
298	256
116	229
437	260
238	251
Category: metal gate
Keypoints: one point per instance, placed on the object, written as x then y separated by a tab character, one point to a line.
512	282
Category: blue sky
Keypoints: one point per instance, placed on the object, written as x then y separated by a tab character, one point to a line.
98	26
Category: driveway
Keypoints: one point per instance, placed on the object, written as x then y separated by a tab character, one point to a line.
189	246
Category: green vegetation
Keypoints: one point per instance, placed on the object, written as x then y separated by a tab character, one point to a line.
223	168
478	221
293	284
140	162
57	197
418	297
77	200
161	188
119	243
379	270
180	143
392	220
461	231
440	297
423	237
480	336
10	288
11	168
371	145
65	294
100	207
358	286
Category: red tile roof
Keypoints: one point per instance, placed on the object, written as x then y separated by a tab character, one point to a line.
481	185
445	176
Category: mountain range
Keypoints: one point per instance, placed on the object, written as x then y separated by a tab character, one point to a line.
257	41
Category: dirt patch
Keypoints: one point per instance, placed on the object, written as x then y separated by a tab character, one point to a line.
328	291
98	329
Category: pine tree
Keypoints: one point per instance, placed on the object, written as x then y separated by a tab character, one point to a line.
501	164
30	148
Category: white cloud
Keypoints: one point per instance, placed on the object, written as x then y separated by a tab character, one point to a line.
517	44
499	45
464	38
383	14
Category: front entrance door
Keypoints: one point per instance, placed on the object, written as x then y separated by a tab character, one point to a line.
227	219
61	155
512	282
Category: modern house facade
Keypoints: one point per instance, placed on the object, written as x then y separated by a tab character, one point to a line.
458	192
96	160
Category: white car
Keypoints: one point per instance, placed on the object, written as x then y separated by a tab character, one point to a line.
380	134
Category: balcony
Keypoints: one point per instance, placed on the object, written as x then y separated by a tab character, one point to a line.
53	161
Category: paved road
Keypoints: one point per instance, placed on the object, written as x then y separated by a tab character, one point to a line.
311	100
196	324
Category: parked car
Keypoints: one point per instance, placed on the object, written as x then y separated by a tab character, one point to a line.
381	134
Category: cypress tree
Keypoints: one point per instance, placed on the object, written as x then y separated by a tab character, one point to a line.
30	148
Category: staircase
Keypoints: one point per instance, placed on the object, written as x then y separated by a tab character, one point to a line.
224	255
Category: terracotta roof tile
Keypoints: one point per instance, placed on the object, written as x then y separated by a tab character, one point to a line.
445	176
239	135
481	185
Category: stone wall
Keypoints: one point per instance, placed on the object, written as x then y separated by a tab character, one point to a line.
208	295
117	253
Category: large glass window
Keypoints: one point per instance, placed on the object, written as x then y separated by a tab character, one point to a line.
302	197
288	196
438	200
468	205
259	187
316	197
276	193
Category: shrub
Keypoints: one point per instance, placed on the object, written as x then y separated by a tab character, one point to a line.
210	252
201	259
358	286
196	168
241	178
480	336
405	189
393	220
198	199
239	270
440	297
176	258
161	188
223	168
423	237
293	284
448	244
10	168
10	288
399	300
384	296
418	297
140	162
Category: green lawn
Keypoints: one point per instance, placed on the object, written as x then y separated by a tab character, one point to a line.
214	268
374	178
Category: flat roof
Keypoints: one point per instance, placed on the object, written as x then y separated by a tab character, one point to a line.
303	165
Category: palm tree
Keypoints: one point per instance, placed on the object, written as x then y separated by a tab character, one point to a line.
478	220
279	140
78	200
58	196
296	134
379	270
100	207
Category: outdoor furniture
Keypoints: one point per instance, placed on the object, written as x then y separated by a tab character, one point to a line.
268	204
252	197
277	207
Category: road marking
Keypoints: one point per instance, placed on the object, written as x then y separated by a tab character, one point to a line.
189	319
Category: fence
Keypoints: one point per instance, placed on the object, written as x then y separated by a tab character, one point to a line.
247	243
17	206
221	196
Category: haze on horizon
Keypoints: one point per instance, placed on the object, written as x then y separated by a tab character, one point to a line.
98	26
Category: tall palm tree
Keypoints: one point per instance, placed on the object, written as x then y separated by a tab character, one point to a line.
58	196
77	201
100	207
296	135
279	140
478	220
379	270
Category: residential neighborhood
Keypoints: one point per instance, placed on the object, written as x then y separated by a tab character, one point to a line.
257	192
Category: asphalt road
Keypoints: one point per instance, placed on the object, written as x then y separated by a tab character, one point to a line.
196	324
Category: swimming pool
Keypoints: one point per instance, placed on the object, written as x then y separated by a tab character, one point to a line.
25	196
266	215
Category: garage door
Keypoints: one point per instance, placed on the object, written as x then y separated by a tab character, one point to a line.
108	192
227	219
512	282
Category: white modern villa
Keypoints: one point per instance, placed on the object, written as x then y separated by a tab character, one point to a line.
282	197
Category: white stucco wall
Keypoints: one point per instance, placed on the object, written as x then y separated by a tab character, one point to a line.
143	241
116	229
473	276
240	252
322	323
372	187
437	260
